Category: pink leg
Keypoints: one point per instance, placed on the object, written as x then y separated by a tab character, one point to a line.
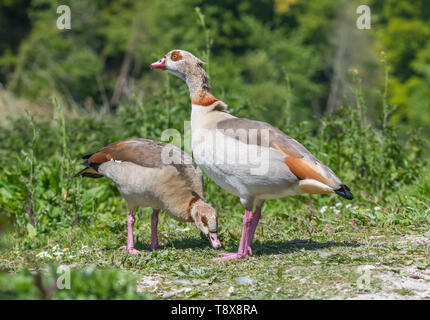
255	219
154	233
130	241
243	246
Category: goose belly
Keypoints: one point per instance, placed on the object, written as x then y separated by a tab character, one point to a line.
135	183
247	171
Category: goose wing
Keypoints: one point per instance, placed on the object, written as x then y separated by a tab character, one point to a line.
302	163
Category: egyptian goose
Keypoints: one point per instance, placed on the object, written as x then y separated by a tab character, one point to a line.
158	175
250	159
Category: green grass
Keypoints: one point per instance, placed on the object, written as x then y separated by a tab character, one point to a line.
298	254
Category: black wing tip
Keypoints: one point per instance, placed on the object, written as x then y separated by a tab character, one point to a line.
88	175
84	173
92	175
344	192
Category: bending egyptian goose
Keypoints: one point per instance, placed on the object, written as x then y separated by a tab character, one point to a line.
250	159
154	174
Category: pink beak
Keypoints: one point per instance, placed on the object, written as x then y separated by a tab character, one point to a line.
214	241
160	64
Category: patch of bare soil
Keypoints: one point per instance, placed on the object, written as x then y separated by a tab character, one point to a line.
398	283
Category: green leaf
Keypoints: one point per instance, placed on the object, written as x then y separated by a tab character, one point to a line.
31	231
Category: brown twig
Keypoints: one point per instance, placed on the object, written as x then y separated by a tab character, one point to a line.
45	293
125	67
103	94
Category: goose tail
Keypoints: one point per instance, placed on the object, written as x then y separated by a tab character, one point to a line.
88	172
344	192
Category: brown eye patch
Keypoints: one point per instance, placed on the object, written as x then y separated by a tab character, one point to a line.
175	56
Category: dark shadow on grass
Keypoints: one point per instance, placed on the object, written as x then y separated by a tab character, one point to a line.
186	243
277	247
260	248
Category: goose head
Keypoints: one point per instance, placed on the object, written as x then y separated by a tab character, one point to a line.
180	63
206	219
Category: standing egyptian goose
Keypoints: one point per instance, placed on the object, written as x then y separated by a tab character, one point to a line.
158	175
250	159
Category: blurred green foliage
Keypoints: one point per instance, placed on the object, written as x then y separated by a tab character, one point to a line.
87	283
254	46
405	38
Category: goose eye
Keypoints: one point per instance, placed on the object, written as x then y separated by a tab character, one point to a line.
174	57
